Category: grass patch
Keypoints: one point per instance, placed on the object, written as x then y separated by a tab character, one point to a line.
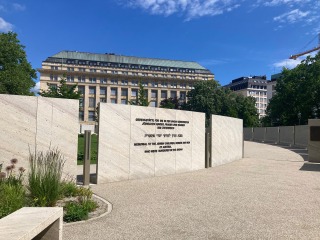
94	149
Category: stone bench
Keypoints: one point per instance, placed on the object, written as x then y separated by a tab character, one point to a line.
33	223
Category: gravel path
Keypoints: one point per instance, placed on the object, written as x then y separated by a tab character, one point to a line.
270	194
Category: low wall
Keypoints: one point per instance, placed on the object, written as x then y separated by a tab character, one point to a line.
248	134
259	134
140	142
226	140
272	135
29	124
286	135
289	135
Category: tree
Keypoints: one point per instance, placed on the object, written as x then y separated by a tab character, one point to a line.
297	97
142	99
16	73
63	90
210	98
171	103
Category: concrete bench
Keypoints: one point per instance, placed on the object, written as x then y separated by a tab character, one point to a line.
33	223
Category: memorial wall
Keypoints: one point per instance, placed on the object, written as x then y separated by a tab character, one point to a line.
29	124
140	142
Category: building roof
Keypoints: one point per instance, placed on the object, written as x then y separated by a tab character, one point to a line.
127	59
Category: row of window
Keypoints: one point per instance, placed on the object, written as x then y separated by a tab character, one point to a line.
257	87
131	66
257	93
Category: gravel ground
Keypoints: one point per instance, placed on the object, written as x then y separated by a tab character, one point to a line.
270	194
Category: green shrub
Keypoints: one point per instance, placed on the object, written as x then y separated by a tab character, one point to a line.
68	189
89	205
12	192
75	212
45	177
12	198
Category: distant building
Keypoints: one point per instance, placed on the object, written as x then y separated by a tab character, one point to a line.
256	87
114	78
271	87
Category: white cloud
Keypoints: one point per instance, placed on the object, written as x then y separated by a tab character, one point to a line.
292	16
36	88
5	26
287	63
281	2
189	8
18	7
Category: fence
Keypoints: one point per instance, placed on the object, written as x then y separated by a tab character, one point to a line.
288	135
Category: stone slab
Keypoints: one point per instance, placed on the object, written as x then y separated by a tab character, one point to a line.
226	140
313	146
33	222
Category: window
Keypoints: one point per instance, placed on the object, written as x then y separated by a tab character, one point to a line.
183	95
82	69
113	92
134	92
173	94
182	85
103	91
154	93
173	85
81	116
124	92
134	82
54	68
92	90
113	100
93	70
81	102
81	89
123	101
70	69
103	100
113	81
70	79
153	104
163	94
81	79
124	82
92	102
103	80
91	116
154	84
53	77
145	84
92	80
164	84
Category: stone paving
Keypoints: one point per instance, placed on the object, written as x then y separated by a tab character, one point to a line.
270	194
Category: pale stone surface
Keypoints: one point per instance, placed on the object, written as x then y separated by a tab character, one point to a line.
259	134
286	135
314	146
33	222
30	124
132	140
198	141
184	158
272	134
226	140
141	164
114	143
301	136
165	162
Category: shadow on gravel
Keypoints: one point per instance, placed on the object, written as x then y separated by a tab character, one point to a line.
301	151
313	167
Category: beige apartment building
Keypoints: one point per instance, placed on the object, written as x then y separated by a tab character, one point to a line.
253	86
115	78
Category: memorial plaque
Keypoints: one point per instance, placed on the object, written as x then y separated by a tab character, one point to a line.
315	133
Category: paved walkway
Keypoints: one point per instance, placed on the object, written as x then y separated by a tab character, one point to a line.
270	194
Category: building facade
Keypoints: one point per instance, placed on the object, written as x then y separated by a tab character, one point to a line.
271	87
115	78
256	87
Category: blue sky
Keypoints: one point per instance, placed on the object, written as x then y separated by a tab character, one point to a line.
231	38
